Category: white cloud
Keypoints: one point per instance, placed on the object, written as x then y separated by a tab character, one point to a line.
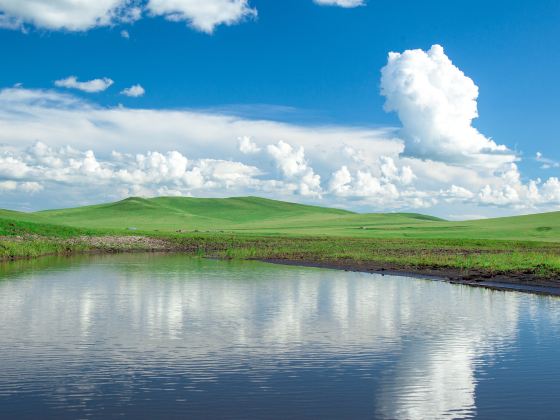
289	160
341	3
203	15
247	146
436	104
125	34
27	187
390	172
458	193
148	173
55	118
212	154
74	15
546	163
134	91
374	190
83	15
340	182
510	191
381	184
370	186
294	166
91	86
551	190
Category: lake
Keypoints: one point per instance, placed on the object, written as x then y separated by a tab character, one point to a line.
167	336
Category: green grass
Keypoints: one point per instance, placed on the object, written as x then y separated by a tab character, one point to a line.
252	215
251	227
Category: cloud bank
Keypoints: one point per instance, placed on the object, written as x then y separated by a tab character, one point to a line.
122	151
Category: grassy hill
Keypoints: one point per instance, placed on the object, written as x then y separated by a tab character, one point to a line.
270	217
522	249
183	213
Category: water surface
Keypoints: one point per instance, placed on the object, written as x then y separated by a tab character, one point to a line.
168	336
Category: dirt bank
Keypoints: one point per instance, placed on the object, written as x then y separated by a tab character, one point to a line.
523	282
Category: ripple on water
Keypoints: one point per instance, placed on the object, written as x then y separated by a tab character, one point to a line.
168	336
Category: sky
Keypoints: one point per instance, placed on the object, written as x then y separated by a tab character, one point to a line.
439	107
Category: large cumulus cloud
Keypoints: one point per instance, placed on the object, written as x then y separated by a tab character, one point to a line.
437	103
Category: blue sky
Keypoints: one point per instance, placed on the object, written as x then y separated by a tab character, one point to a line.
304	64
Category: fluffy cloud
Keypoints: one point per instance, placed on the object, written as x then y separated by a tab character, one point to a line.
41	167
390	172
378	182
203	15
436	104
75	15
55	118
82	15
247	146
550	191
457	193
341	3
340	182
293	165
212	154
26	187
382	185
511	191
134	91
91	86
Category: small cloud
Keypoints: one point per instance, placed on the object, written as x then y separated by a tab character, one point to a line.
91	86
134	91
546	162
247	146
125	34
340	3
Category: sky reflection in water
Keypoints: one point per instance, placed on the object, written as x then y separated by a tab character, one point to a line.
170	336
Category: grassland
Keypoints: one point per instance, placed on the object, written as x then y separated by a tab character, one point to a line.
522	249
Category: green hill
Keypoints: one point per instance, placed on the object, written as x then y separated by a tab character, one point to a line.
174	213
263	216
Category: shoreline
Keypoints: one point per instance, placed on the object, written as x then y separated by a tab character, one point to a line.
503	283
523	280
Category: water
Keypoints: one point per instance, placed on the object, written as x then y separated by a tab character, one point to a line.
151	336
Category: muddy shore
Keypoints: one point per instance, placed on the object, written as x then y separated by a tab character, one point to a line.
520	282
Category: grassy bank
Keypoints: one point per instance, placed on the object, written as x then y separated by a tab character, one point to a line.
253	228
462	257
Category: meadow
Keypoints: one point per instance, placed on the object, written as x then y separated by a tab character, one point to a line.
523	247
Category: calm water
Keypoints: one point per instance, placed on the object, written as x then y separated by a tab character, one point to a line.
168	336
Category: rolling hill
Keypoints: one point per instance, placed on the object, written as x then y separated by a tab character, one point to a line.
263	216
